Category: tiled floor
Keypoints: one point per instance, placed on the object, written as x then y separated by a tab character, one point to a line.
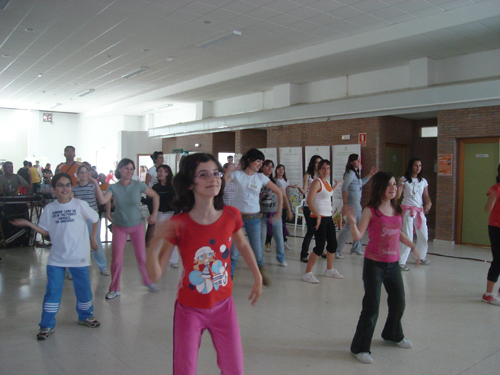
295	328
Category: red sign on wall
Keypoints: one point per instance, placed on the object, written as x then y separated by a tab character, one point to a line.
362	139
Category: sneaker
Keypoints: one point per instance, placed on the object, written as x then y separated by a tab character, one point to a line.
283	264
113	294
364	357
425	261
153	288
267	247
491	298
309	278
333	273
45	333
304	259
287	246
69	276
323	255
404	267
405	343
105	273
360	253
90	322
174	265
339	256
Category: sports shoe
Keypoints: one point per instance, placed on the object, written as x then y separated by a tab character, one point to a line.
304	259
69	276
309	278
364	357
491	298
283	264
339	256
174	265
425	261
90	322
267	247
287	246
360	253
404	267
153	288
333	273
105	273
323	255
45	333
405	343
113	294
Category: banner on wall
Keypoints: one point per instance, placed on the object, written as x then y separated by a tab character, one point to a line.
340	154
270	154
170	160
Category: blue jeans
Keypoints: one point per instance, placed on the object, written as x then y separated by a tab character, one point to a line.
374	275
277	235
253	230
53	294
346	231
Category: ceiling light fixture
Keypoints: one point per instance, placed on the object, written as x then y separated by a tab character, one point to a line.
55	105
219	39
164	106
40	74
28	29
170	58
140	71
89	91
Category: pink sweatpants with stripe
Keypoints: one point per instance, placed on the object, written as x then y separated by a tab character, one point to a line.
222	323
118	245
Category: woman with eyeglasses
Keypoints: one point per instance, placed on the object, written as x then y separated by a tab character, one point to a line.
248	184
127	220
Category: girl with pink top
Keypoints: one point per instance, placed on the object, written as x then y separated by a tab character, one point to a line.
382	218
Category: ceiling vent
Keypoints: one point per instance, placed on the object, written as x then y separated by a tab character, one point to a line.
140	71
218	39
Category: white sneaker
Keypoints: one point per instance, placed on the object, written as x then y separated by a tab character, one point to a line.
113	294
339	256
405	343
267	247
283	264
153	288
364	357
425	261
492	299
287	246
174	265
333	273
309	278
105	273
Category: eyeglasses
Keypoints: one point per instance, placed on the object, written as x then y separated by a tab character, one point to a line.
207	175
63	185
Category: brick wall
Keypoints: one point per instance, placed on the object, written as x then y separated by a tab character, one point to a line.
250	138
187	143
452	126
223	142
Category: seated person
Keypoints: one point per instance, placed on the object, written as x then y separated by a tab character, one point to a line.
10	182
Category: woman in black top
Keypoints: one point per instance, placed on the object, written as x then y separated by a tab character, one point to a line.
165	190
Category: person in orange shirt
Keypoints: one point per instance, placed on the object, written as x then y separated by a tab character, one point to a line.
70	166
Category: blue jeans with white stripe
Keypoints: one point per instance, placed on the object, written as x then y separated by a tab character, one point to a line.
53	294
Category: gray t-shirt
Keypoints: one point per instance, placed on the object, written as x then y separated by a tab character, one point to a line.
354	187
127	203
268	199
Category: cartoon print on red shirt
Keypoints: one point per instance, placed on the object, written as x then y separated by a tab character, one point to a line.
208	272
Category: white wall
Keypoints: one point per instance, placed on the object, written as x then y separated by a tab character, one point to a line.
14	125
137	142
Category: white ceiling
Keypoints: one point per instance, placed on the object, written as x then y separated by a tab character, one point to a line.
53	50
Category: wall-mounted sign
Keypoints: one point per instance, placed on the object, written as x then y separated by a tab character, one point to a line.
445	163
362	139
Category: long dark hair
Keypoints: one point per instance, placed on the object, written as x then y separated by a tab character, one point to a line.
284	172
169	175
409	168
267	162
250	156
310	168
184	180
380	182
121	164
498	175
349	167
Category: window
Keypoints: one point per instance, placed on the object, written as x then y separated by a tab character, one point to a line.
429	132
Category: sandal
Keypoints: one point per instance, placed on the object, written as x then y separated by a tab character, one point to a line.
90	322
45	333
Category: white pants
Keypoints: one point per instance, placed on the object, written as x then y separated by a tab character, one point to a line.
422	236
162	217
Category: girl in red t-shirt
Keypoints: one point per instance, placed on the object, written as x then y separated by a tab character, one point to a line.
203	232
493	207
382	219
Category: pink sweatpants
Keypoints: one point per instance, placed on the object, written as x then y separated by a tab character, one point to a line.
222	323
118	245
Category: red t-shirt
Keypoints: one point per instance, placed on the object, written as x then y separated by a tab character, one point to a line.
495	212
205	251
